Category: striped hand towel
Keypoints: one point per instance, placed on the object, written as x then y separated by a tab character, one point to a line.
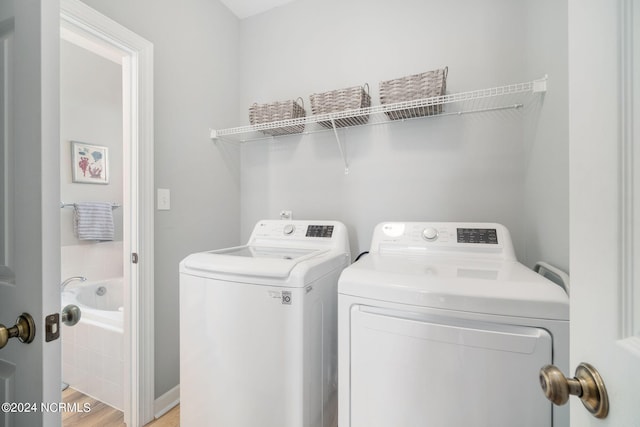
93	221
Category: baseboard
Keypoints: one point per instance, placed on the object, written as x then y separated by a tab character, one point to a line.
166	402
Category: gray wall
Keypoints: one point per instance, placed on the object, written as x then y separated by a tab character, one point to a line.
546	190
196	84
484	167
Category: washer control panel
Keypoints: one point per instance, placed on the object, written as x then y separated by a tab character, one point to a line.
298	230
487	236
319	231
306	234
430	234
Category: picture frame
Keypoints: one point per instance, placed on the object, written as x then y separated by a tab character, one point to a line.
89	163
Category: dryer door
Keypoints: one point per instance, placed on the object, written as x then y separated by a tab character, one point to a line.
414	370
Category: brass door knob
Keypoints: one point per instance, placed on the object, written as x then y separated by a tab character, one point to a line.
71	315
587	385
24	330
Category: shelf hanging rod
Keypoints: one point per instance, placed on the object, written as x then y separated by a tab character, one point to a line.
341	147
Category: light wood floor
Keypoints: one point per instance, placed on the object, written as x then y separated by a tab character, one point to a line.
103	415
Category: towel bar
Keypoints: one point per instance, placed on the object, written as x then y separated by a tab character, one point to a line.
71	205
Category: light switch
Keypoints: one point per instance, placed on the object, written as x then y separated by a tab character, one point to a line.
164	199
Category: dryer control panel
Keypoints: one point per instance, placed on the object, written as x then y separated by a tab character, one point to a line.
450	238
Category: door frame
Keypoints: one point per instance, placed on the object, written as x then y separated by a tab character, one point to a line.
84	26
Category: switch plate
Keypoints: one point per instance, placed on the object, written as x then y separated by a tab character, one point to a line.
164	199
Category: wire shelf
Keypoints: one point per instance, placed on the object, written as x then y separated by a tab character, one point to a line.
492	99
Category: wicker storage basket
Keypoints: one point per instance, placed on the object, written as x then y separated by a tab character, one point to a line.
276	111
409	88
335	101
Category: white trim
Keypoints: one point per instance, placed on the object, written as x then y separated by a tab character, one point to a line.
167	401
627	170
80	22
88	42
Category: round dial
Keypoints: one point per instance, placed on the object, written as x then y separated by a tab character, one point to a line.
289	229
430	234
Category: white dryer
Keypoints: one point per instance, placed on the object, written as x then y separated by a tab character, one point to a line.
258	328
439	325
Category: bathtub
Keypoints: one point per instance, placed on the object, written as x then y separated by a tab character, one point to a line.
101	302
93	349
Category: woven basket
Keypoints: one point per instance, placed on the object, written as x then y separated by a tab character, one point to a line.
418	86
276	111
335	101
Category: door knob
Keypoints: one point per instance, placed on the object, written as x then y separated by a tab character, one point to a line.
24	330
587	385
71	315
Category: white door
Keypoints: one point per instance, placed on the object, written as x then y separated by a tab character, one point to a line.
29	226
605	202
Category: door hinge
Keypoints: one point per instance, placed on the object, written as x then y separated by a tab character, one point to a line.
134	257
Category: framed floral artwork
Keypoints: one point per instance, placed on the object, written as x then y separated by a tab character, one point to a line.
89	163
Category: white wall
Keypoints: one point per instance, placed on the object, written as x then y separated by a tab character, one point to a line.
91	112
482	167
195	83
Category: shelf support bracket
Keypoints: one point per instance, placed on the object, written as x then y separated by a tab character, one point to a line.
540	85
341	147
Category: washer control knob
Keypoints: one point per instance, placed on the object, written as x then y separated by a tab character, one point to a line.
289	229
430	234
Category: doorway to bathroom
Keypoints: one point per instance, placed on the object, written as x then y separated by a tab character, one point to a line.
106	156
92	261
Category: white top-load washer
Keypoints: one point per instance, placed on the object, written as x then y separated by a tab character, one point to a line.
258	328
440	325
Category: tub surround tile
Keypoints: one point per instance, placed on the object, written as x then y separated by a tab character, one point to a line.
93	361
96	261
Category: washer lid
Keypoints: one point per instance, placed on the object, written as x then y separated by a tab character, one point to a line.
505	288
250	260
